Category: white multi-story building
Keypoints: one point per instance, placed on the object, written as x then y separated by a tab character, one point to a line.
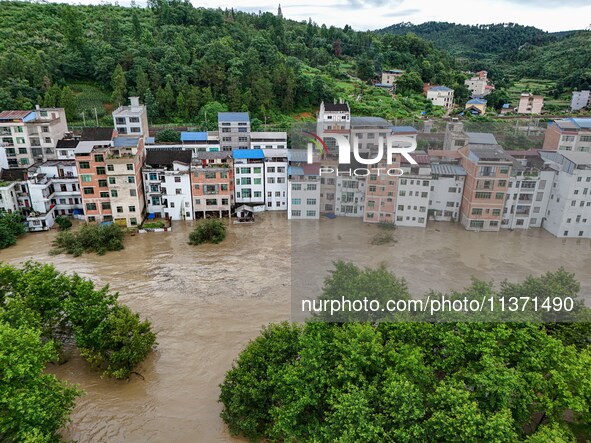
527	198
350	195
268	140
303	192
167	184
132	120
31	136
569	207
8	194
479	85
333	118
276	164
530	103
65	149
447	187
580	100
54	190
249	165
414	192
196	142
441	96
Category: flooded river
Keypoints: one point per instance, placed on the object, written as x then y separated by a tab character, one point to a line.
207	302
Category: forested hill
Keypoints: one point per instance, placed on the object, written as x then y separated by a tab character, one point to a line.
477	40
181	60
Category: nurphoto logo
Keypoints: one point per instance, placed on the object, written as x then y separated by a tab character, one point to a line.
391	145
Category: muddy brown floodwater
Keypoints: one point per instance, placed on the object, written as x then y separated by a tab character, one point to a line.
207	302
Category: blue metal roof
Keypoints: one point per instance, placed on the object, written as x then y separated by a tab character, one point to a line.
190	136
397	129
383	85
248	153
233	117
582	122
476	101
295	170
31	116
439	88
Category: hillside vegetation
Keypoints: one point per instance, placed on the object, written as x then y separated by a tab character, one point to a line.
186	62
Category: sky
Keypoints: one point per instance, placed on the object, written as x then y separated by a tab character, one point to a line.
549	15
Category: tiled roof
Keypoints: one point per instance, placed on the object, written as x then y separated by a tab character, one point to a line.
447	169
336	107
13	115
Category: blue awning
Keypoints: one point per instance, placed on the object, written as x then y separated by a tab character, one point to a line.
151	216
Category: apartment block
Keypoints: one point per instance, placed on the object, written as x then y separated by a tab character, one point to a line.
303	192
276	164
366	133
580	100
54	191
530	104
167	184
414	192
488	170
124	162
249	165
447	188
333	118
27	137
569	134
350	194
91	154
132	120
441	96
380	199
212	184
234	130
569	207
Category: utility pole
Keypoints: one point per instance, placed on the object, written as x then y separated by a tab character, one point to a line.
96	117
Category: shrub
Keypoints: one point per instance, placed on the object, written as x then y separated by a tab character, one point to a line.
11	227
89	238
208	231
64	223
153	225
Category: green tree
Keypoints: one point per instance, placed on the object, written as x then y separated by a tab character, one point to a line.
409	83
11	227
119	86
69	102
168	136
34	405
208	231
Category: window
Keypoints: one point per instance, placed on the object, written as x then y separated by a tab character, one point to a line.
178	191
130	179
504	169
296	213
102	183
496	212
256	170
88	191
132	193
244	170
86	178
100	170
245	181
483	195
113	193
120	209
132	208
296	201
106	205
270	180
271	169
104	195
499	195
310	213
135	129
84	165
477	211
99	158
91	206
296	187
311	186
477	224
110	168
112	180
129	166
257	194
311	201
257	181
